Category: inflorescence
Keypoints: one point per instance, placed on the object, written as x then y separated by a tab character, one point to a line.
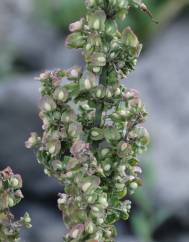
10	196
92	124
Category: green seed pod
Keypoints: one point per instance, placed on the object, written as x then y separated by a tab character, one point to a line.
111	134
117	92
100	220
16	181
107	165
94	41
97	59
109	92
105	152
96	69
47	104
121	170
75	40
123	149
113	217
115	117
62	200
68	116
84	107
97	20
111	27
91	198
27	218
90	184
75	130
89	47
141	136
57	165
61	94
103	200
98	236
97	134
113	55
115	45
90	227
121	194
11	202
53	147
72	163
100	91
130	38
133	185
119	186
87	81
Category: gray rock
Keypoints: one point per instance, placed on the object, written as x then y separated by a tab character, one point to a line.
162	78
180	238
29	41
47	225
19	117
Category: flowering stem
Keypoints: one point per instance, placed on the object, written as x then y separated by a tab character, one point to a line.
10	196
100	106
94	162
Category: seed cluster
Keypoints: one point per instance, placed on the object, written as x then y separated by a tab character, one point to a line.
92	125
10	195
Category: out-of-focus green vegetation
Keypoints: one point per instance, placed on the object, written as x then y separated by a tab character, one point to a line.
61	12
147	217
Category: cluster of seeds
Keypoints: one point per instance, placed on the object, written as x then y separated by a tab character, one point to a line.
10	195
92	125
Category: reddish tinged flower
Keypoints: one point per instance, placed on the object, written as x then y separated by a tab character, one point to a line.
77	231
6	173
76	25
131	94
32	141
78	148
11	195
74	73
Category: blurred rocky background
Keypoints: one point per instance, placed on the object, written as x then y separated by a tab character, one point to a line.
31	40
